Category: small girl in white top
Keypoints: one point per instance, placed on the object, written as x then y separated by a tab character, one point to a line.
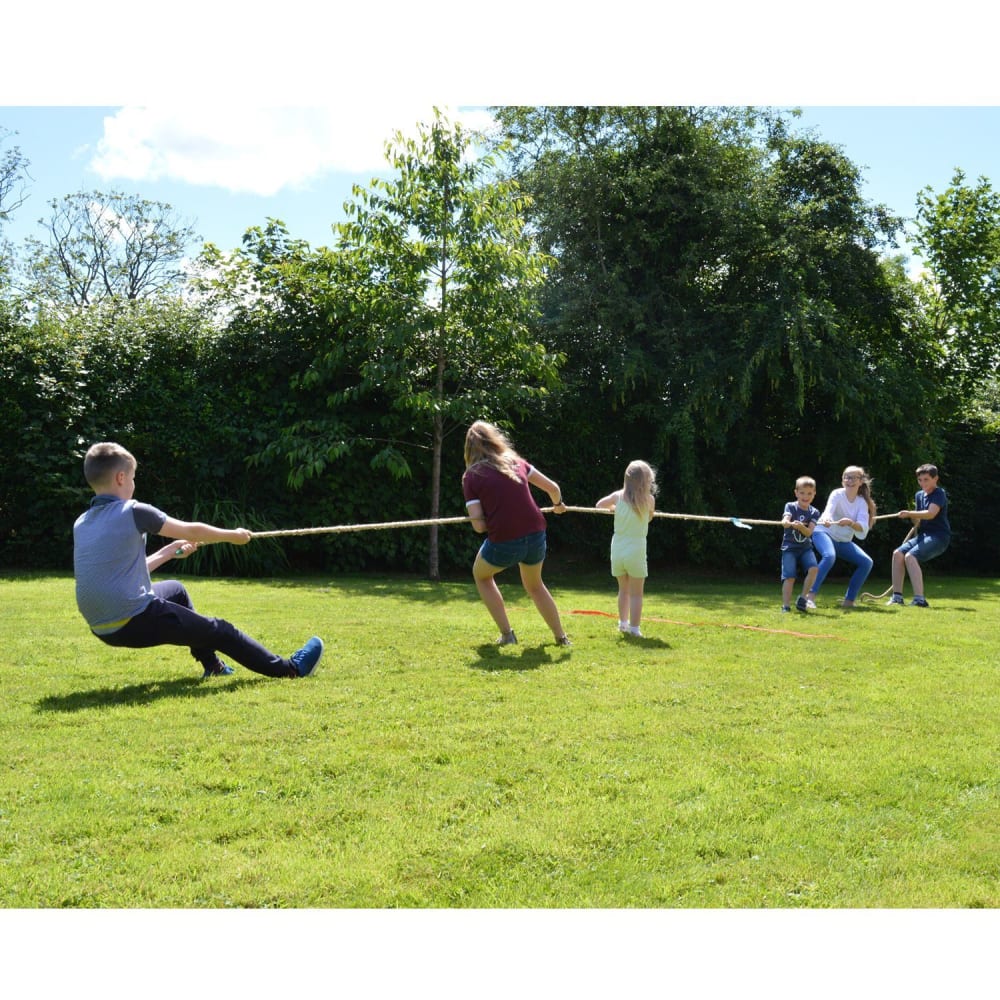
634	505
849	513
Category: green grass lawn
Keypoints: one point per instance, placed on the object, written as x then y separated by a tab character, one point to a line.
829	760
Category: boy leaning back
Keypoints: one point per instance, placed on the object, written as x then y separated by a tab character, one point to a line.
927	539
116	596
798	520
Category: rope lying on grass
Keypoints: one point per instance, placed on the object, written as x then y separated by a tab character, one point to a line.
877	597
739	522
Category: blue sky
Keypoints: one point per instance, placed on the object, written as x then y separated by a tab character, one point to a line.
227	169
233	115
223	169
236	114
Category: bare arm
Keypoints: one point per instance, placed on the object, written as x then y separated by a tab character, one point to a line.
175	550
921	515
804	528
200	533
549	486
610	501
475	509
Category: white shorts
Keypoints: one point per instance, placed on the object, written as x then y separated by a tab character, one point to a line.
628	557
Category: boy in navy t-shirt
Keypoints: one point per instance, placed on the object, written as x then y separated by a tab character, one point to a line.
927	539
799	519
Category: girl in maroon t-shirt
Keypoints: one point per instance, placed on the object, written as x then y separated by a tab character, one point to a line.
499	501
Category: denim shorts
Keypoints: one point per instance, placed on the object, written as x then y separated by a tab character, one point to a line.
792	561
529	549
924	547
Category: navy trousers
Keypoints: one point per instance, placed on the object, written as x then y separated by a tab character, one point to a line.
170	620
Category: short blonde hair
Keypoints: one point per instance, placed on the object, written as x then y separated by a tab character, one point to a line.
805	481
104	459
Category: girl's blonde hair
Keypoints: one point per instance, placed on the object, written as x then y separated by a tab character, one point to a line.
865	489
640	487
484	442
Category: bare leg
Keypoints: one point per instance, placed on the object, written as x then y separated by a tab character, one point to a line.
623	592
531	577
635	600
484	574
897	572
915	572
786	591
809	580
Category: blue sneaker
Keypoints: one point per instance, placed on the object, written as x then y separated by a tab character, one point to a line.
219	670
895	599
305	659
800	603
919	602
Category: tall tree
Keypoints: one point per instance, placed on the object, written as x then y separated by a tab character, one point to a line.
114	246
443	277
13	173
719	295
958	236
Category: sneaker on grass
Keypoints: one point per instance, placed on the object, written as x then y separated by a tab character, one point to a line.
305	659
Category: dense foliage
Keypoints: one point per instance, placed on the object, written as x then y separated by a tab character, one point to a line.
702	288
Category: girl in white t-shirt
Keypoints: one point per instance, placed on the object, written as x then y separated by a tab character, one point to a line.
849	514
634	505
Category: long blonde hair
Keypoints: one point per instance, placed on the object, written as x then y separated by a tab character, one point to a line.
640	487
486	443
865	490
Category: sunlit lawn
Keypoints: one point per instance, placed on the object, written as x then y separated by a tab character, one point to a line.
827	760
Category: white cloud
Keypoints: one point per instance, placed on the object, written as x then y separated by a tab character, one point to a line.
255	150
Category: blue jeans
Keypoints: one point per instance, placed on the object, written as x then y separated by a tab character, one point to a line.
170	620
829	551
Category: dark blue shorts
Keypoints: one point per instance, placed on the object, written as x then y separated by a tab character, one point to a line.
792	560
529	549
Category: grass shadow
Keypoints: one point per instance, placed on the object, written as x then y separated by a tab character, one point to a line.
645	642
492	660
138	694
